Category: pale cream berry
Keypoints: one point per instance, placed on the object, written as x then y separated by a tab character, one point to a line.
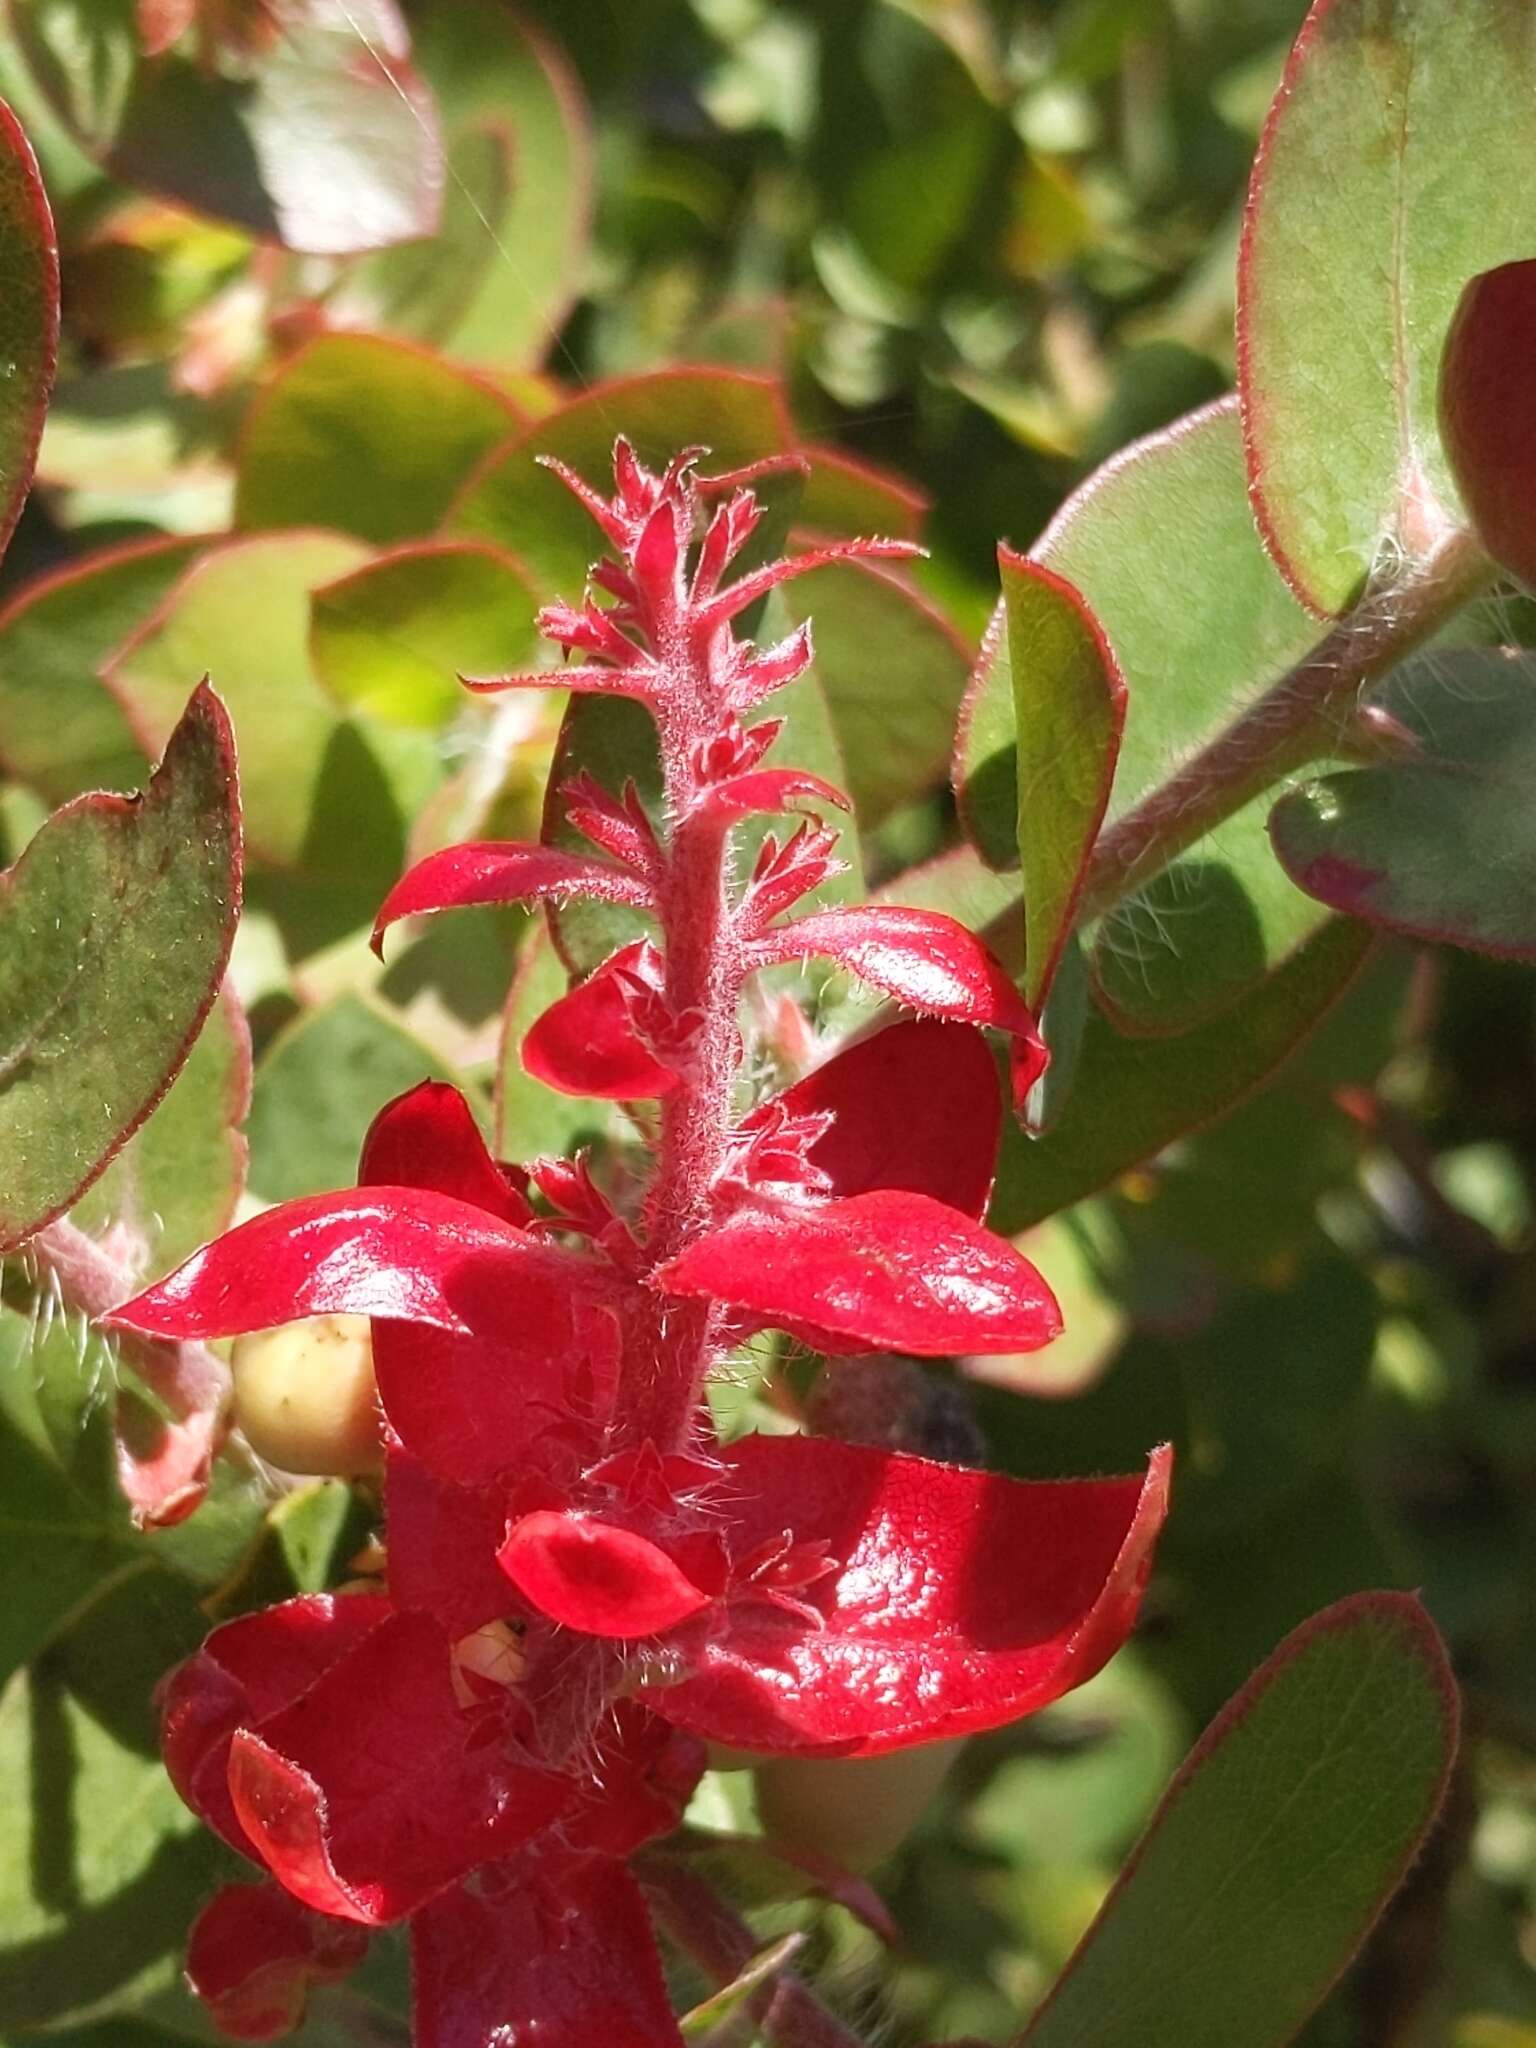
854	1809
304	1396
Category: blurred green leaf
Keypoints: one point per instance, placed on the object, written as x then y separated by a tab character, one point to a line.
103	1866
1132	1096
1289	1826
325	140
116	926
29	330
365	436
393	638
319	1087
61	730
1439	842
1368	213
530	1118
521	507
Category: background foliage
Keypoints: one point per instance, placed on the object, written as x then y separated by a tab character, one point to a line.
978	246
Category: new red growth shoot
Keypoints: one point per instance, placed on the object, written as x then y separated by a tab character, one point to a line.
584	1582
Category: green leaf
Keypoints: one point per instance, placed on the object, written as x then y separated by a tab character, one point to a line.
494	70
1439	842
393	638
176	1182
319	1087
1287	1829
29	326
1069	699
115	927
1132	1096
61	729
1368	212
365	436
521	507
322	793
326	141
1196	645
103	1867
893	671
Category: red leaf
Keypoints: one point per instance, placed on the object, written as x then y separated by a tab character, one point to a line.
246	1672
406	1253
255	1952
378	1789
923	959
916	1106
770	790
593	1576
503	871
897	1271
1487	419
442	1542
428	1138
568	1967
961	1601
585	1044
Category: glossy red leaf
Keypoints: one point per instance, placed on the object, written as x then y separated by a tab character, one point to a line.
378	1788
895	1271
585	1044
255	1953
504	871
442	1541
591	1575
960	1600
568	1966
406	1253
769	790
925	960
246	1672
916	1106
428	1138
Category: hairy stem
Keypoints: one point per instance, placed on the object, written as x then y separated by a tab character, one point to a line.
705	1927
1292	724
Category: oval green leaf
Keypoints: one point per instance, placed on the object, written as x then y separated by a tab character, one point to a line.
115	928
29	323
1287	1829
1397	163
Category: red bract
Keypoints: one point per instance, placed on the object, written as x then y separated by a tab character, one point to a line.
581	1579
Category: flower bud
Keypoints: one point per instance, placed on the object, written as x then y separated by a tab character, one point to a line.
1488	411
304	1396
855	1810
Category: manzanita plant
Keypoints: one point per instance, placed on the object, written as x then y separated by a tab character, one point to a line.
583	1581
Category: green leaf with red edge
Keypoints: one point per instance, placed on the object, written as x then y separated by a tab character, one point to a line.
501	80
1069	700
1197	639
61	729
325	140
893	671
843	496
366	436
1438	842
517	505
115	927
1132	1096
1368	211
1287	1829
177	1181
29	325
393	637
326	795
